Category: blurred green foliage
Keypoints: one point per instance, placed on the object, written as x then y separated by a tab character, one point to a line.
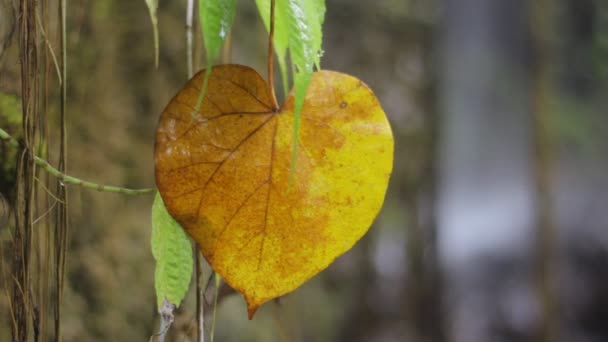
10	120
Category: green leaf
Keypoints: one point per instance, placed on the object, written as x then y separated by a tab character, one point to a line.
172	251
152	8
305	19
316	8
216	17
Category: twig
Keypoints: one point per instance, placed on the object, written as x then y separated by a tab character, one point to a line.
198	262
61	217
166	319
200	296
218	281
48	211
48	192
48	44
189	20
271	57
73	180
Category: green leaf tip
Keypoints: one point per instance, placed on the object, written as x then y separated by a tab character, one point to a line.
153	8
172	251
305	28
216	17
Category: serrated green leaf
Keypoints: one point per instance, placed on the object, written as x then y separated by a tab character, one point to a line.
152	8
216	17
316	8
305	18
172	251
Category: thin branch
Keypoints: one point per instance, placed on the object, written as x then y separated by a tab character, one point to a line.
61	217
166	320
48	44
189	49
48	211
200	295
48	192
218	281
12	142
198	262
271	57
73	180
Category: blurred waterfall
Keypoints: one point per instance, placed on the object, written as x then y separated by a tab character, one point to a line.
485	203
485	186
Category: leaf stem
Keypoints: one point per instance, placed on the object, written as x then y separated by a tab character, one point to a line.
73	180
271	57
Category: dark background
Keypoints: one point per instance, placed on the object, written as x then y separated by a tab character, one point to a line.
495	224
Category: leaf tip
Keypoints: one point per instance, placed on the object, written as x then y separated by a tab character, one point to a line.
251	310
252	306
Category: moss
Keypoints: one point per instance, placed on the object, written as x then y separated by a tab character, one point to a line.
10	109
10	120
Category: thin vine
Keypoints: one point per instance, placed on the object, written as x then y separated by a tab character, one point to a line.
66	179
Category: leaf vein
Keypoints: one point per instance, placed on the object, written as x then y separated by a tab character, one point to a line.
251	134
272	152
236	212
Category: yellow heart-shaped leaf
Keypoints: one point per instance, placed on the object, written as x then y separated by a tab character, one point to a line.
224	175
